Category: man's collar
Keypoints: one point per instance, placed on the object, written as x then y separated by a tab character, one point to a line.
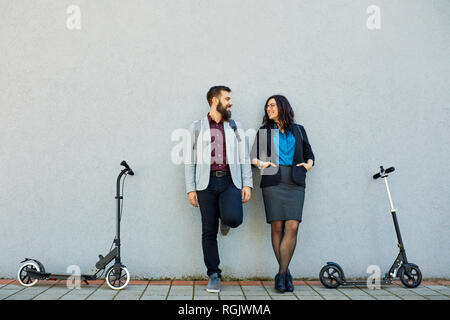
212	120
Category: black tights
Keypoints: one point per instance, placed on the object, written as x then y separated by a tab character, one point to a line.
284	240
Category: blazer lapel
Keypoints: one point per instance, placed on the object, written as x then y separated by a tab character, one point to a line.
205	135
298	154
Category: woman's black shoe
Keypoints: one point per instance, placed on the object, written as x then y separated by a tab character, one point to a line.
280	282
289	285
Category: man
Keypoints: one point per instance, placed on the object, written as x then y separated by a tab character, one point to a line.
218	176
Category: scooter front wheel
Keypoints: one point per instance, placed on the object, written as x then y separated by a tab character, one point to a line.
329	276
117	279
410	276
24	278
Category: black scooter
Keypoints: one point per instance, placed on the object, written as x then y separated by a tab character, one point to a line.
332	275
117	276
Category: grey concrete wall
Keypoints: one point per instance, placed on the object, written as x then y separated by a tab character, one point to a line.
74	103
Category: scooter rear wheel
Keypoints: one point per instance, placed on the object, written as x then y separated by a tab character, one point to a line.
329	276
117	280
410	276
23	276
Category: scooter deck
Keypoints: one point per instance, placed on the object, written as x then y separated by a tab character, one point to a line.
362	283
58	276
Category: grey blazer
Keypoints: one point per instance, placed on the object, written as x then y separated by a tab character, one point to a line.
198	163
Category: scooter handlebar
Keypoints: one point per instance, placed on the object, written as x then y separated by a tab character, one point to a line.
382	171
125	164
389	170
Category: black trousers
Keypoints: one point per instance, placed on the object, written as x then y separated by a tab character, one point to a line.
221	199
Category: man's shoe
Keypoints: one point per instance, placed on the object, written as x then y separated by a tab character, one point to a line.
214	283
280	282
224	228
289	284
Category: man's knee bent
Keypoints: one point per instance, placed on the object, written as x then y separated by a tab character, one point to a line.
233	222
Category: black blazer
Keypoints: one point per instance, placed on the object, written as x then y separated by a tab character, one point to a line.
303	152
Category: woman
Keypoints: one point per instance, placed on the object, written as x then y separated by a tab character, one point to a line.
283	154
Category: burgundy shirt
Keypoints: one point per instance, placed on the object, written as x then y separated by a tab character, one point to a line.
218	146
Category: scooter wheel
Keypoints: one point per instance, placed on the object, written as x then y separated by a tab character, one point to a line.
329	276
24	278
117	280
410	276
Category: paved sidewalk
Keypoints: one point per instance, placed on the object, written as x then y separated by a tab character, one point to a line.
235	290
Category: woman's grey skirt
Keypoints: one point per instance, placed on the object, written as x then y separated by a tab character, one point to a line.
285	200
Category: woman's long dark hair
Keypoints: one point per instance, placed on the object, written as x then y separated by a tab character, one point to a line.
285	113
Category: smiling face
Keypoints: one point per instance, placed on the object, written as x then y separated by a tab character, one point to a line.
278	111
272	109
224	104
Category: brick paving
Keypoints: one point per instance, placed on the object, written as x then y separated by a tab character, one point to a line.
232	290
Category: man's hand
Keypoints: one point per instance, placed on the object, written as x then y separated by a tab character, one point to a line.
193	199
246	194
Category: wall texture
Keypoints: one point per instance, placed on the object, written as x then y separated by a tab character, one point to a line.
75	103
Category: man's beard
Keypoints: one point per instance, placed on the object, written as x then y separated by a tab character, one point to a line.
226	114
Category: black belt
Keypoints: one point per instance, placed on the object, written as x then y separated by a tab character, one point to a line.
220	174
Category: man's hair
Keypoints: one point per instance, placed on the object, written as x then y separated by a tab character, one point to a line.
215	92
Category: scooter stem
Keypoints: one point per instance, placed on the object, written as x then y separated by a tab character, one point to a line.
389	194
118	197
